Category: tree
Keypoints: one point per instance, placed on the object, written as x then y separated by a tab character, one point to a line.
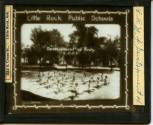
112	49
68	58
29	55
84	58
42	39
90	37
85	36
55	39
52	57
80	33
107	52
73	40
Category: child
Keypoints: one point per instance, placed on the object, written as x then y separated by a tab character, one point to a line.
106	80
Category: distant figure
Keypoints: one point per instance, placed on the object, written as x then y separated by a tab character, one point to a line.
44	83
89	84
102	77
106	80
73	79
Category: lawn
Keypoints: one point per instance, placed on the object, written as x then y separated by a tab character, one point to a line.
72	84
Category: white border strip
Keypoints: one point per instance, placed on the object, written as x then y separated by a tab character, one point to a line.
138	57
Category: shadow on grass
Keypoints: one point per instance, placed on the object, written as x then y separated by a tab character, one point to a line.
28	96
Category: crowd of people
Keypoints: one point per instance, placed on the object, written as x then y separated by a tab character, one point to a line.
71	83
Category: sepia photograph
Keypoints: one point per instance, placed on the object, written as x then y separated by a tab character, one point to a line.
74	61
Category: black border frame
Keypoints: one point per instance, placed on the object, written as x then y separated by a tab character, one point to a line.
141	115
21	19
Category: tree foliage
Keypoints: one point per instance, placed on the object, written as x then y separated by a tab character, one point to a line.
107	51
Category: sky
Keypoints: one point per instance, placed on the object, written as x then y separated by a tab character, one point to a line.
106	30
